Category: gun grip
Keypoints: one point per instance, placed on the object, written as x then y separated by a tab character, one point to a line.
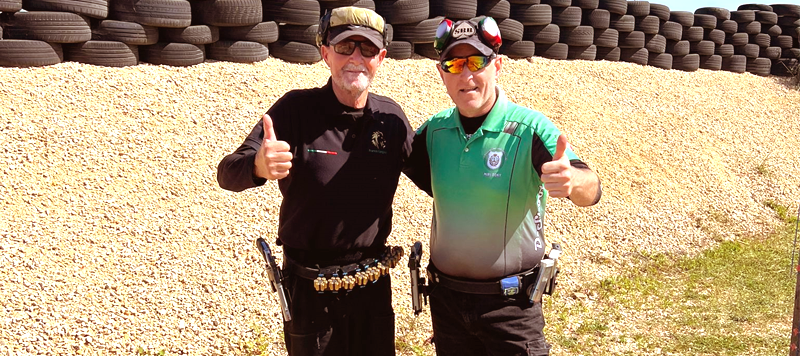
263	247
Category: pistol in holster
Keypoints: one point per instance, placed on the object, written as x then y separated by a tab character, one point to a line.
419	289
275	276
546	280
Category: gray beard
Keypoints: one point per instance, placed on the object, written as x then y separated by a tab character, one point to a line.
357	88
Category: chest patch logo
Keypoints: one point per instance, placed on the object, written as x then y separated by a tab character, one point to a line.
494	158
378	141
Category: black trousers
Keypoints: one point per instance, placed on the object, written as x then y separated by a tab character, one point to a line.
359	322
474	324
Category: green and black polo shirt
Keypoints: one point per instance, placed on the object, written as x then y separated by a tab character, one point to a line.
489	202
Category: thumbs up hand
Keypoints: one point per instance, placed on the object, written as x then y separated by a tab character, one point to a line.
273	159
557	174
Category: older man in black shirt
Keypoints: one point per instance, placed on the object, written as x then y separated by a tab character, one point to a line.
337	152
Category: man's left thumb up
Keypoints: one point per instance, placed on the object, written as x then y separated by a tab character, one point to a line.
561	147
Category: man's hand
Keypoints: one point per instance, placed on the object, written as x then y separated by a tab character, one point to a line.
557	174
273	159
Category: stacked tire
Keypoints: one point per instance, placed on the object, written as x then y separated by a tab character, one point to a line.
708	36
120	33
777	40
632	38
679	41
412	29
539	32
298	23
756	38
511	29
574	36
746	41
606	37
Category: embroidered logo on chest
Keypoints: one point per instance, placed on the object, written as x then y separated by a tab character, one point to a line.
378	141
494	158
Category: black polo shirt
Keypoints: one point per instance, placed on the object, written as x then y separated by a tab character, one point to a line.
346	166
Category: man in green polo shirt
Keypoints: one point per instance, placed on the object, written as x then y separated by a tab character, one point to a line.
489	165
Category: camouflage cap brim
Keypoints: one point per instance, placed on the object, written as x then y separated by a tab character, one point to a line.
358	16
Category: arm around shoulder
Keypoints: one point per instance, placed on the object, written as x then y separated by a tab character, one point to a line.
417	166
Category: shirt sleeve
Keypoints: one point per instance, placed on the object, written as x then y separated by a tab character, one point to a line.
418	165
408	143
235	171
540	157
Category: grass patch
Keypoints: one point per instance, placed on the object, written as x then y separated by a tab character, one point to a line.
404	347
782	211
143	351
762	167
260	341
734	299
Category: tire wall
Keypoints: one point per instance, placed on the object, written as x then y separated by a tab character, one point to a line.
756	38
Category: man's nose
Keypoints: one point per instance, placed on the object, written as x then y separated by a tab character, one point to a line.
357	55
466	72
358	50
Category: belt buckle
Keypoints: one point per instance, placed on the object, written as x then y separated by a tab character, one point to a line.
510	285
432	277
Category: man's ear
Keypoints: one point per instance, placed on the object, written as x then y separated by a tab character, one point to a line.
441	72
498	64
324	51
381	56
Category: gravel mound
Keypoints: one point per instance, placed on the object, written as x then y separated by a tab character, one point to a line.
116	238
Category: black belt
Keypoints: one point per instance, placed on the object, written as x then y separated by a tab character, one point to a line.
310	273
334	278
511	285
327	257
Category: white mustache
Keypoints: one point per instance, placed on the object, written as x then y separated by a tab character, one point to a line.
354	68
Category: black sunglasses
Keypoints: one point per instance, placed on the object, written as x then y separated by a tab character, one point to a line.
347	47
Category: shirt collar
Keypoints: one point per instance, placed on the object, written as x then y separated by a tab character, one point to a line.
496	119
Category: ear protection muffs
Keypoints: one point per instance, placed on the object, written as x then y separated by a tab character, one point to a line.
322	30
325	25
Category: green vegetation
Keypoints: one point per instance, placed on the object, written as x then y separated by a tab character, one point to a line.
405	348
260	342
142	351
734	299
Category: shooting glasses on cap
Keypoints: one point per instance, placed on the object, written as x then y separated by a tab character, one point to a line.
484	35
